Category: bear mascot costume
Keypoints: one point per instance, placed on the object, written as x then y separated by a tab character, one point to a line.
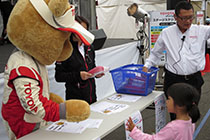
40	30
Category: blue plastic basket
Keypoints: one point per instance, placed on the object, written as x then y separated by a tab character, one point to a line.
130	79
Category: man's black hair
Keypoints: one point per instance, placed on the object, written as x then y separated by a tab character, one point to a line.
183	5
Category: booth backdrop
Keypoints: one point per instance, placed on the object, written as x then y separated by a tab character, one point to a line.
113	18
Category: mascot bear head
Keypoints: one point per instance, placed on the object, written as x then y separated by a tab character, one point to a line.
42	28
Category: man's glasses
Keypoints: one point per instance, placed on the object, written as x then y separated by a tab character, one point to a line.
186	18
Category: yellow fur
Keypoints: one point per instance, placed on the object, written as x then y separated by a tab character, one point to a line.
77	110
56	98
30	33
58	7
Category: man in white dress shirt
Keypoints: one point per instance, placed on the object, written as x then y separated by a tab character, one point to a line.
185	49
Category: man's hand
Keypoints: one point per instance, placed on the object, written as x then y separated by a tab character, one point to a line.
145	69
85	75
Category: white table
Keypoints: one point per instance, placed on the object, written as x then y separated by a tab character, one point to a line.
110	122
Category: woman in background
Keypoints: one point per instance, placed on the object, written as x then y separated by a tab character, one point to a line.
74	71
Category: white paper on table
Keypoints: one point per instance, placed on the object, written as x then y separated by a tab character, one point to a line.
92	123
69	127
108	108
124	97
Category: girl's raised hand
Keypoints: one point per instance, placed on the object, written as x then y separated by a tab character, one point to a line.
130	125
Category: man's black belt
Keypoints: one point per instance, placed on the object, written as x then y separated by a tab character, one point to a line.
186	77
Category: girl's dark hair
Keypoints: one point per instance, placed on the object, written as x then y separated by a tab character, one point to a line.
183	5
81	19
186	95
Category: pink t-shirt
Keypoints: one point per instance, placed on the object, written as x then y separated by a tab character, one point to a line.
174	130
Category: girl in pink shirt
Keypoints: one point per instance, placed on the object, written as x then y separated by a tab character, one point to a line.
181	100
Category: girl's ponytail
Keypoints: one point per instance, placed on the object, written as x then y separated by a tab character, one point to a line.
194	113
